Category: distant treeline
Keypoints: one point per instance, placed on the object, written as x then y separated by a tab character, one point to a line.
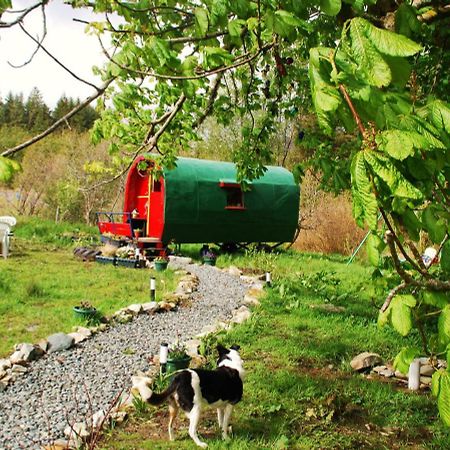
34	115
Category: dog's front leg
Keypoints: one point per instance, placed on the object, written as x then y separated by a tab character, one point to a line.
226	420
194	417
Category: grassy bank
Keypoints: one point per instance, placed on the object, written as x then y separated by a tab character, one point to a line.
300	392
42	281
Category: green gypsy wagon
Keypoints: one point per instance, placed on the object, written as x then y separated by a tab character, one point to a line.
200	201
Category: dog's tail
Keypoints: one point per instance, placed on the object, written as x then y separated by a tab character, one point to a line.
157	399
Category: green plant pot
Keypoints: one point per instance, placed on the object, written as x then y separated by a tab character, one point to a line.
209	261
177	364
160	265
85	313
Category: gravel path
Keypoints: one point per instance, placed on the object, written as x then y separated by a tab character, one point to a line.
68	385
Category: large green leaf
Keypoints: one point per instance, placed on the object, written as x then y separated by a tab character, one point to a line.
330	7
401	315
405	358
444	397
444	327
388	42
445	257
406	21
438	299
398	144
374	247
384	168
440	115
371	63
365	206
201	21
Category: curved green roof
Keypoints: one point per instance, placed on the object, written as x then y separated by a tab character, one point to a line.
196	204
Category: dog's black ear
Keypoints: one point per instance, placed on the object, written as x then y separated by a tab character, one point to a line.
235	347
221	350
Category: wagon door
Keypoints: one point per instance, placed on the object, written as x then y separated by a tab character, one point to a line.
155	219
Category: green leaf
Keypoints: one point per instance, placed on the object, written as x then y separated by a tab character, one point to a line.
406	21
365	206
370	61
388	42
401	315
445	257
438	299
444	397
201	21
436	382
374	246
384	168
235	27
398	144
8	167
440	115
411	222
405	358
330	7
434	224
444	327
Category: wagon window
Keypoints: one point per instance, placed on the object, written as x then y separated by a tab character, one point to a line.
156	186
235	197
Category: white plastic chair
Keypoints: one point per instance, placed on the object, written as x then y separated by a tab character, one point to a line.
4	238
9	220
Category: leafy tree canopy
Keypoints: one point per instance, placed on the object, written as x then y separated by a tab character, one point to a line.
378	69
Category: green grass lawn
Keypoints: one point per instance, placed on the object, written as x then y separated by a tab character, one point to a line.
300	392
42	281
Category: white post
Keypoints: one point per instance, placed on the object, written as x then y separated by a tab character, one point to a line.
268	279
163	352
414	375
152	289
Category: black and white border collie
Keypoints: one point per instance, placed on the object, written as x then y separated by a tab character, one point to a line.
192	389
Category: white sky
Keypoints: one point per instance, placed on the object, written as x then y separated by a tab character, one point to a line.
65	39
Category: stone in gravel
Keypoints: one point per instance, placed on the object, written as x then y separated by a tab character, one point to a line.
60	444
77	337
26	352
98	419
5	364
388	373
399	374
166	306
378	369
241	315
18	369
150	307
83	330
426	370
119	416
3	386
233	270
365	360
2	374
179	260
192	346
250	300
78	429
425	380
59	342
135	308
43	345
176	298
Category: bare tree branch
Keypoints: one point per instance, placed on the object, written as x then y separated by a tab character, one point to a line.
24	12
49	130
39	43
40	46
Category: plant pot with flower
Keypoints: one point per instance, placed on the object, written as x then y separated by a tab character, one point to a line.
177	358
85	310
161	263
209	258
